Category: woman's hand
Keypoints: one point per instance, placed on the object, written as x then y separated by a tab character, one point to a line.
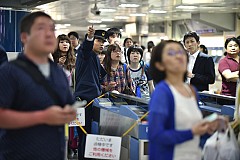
62	60
110	86
220	124
200	128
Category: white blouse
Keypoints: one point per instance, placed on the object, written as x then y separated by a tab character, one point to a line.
187	114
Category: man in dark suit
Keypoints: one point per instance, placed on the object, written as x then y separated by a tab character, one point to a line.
201	70
74	38
3	55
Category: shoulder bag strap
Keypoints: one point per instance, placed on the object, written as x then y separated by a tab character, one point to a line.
37	76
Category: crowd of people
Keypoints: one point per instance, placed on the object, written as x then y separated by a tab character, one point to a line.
171	73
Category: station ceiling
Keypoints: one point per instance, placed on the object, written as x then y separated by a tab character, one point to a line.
76	14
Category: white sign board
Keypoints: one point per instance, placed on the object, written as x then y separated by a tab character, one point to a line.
80	117
102	147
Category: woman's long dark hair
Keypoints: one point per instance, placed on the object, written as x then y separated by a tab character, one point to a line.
107	60
70	59
157	53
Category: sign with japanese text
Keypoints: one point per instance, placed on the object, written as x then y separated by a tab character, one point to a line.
102	147
80	117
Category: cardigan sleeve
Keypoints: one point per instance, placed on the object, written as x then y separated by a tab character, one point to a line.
161	120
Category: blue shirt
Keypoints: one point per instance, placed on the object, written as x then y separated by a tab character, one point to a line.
162	133
20	93
89	72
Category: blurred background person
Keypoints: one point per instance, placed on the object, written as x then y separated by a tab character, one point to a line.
135	43
101	55
203	49
147	55
126	44
229	67
114	35
75	41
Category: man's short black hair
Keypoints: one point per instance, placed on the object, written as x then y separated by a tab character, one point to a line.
28	20
191	34
238	38
113	31
75	34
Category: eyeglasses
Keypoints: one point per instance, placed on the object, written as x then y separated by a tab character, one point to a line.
174	53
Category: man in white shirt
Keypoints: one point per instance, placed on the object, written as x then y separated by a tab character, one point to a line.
201	70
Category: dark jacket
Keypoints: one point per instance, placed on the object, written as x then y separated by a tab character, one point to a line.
89	72
3	55
204	72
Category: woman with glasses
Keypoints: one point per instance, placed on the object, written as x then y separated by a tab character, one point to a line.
118	75
175	121
139	73
228	67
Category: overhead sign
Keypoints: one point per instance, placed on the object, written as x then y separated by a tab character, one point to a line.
80	118
103	147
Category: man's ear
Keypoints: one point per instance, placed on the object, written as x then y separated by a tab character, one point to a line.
159	66
198	43
23	37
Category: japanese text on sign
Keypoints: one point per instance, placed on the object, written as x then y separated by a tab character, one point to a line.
80	117
102	147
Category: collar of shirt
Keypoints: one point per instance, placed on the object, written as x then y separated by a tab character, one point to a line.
77	46
194	55
229	57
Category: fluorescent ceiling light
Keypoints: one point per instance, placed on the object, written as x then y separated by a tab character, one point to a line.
94	21
103	25
107	19
121	17
67	25
61	25
186	7
157	11
107	10
212	7
126	5
138	14
234	8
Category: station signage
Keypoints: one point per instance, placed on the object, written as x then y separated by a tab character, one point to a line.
103	147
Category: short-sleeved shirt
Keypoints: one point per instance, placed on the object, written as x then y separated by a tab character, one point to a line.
140	78
228	88
19	92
